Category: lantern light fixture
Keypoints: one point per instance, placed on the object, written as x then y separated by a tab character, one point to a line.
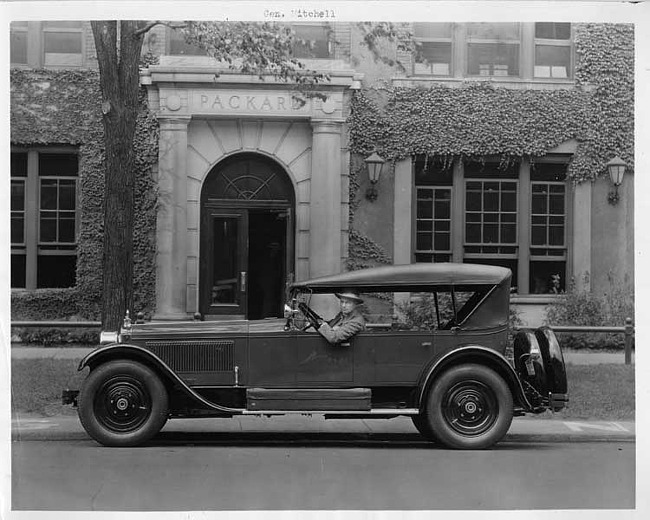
374	163
616	169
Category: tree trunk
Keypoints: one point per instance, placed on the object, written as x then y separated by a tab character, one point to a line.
119	81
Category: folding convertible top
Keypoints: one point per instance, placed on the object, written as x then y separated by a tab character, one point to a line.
410	277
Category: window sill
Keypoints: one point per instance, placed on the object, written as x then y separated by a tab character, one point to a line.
517	83
534	299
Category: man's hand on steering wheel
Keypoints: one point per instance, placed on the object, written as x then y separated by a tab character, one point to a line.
314	319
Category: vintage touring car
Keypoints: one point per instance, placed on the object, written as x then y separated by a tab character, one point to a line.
435	348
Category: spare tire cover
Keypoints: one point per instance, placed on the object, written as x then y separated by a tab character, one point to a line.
556	380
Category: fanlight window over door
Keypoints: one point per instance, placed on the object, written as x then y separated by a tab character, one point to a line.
249	178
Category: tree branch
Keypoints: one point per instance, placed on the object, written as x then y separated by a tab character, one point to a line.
151	25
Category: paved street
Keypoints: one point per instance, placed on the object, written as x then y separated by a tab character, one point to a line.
296	463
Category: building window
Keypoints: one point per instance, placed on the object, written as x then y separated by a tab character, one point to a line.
473	214
43	219
63	44
434	49
18	43
552	50
548	247
312	41
47	44
433	190
493	49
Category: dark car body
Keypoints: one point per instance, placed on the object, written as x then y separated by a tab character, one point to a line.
449	370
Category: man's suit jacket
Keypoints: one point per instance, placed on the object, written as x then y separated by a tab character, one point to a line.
342	327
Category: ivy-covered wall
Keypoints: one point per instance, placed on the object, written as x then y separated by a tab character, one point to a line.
475	119
62	107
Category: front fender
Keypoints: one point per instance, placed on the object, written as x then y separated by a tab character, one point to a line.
134	352
474	354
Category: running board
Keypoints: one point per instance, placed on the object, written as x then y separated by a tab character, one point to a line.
375	411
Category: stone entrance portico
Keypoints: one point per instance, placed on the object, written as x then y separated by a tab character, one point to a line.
202	122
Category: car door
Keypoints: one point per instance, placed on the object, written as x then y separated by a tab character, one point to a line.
391	357
298	359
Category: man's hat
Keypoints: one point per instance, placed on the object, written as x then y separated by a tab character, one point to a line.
350	295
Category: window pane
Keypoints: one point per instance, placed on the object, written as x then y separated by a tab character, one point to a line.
473	233
49	194
553	31
442	242
424	241
473	201
17	195
56	271
423	257
18	47
63	42
18	164
556	236
443	209
547	277
425	225
18	271
443	225
538	236
490	233
432	30
434	58
17	229
67	195
48	226
509	234
491	201
66	228
493	31
556	204
552	61
493	59
425	209
58	164
316	41
61	24
539	204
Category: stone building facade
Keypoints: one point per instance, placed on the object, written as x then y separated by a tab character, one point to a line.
257	185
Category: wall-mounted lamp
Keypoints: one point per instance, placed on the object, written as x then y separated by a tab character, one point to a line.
616	168
375	164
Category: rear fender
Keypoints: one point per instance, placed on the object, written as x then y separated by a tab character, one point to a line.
474	354
110	352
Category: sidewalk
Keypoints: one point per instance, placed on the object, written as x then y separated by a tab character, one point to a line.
573	357
289	428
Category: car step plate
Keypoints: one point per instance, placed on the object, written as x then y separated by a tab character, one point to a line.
313	399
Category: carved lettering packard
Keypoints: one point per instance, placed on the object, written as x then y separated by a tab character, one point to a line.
253	103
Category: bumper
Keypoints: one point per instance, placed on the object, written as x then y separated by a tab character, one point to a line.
69	397
558	402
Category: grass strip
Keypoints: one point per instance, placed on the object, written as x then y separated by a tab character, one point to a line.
603	392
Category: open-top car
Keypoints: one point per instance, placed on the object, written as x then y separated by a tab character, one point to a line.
436	347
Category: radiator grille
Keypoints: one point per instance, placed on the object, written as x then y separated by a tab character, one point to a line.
195	356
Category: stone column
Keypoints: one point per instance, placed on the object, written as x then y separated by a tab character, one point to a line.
171	258
325	209
325	227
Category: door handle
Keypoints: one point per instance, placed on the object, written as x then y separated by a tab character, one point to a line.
426	344
243	281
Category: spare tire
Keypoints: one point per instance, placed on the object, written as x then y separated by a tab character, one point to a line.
556	380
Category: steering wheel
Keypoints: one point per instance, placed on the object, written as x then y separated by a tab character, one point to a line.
314	319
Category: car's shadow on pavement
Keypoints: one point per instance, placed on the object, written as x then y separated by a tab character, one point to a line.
310	440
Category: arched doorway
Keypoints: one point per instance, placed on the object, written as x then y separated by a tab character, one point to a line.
246	250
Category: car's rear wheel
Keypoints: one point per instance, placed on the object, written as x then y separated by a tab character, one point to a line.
469	407
122	403
423	426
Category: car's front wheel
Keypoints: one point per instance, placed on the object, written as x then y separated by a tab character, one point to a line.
122	403
469	407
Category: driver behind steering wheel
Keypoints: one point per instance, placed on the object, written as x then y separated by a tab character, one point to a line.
346	323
